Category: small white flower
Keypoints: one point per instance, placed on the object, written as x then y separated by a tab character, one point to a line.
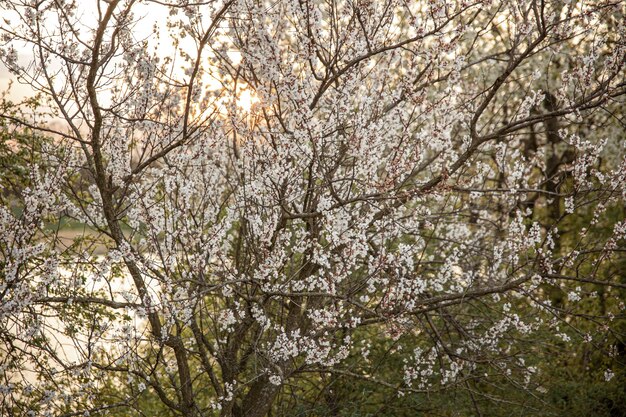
563	337
573	296
276	380
569	205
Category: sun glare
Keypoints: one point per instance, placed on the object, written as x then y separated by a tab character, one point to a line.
246	99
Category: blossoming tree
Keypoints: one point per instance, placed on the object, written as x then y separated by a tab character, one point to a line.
424	185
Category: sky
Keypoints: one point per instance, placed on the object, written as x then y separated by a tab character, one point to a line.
149	16
18	91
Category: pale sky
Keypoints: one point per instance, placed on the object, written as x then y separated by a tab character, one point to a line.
149	15
87	10
18	91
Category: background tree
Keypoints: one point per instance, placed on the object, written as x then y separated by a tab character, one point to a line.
417	202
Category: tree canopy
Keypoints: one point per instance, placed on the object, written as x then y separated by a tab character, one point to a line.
256	208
